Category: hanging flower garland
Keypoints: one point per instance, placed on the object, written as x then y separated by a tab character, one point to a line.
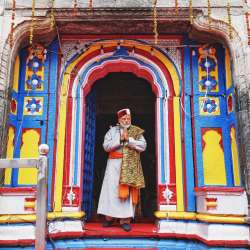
32	23
155	30
229	16
74	7
12	23
52	17
191	17
90	4
176	7
209	13
247	22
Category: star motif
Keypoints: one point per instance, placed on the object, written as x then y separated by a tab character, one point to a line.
71	196
167	194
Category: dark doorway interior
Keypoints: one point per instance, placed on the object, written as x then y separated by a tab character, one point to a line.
113	92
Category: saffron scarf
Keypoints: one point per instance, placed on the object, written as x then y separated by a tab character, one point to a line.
131	177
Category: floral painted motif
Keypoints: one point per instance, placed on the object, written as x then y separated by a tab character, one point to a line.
209	106
35	64
207	64
34	82
33	105
208	83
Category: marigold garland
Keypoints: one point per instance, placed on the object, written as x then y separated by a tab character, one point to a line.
32	23
229	20
209	13
176	7
247	23
90	4
191	17
12	23
52	17
75	6
155	30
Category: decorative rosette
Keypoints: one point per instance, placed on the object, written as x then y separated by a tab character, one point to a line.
33	105
35	64
208	82
207	64
34	82
209	106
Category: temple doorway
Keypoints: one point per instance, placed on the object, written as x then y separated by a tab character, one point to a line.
109	94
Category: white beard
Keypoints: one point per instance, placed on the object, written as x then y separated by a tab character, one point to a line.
125	126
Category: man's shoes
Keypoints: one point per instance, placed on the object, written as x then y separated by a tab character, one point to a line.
126	227
107	223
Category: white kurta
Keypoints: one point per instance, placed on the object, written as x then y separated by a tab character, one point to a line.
109	202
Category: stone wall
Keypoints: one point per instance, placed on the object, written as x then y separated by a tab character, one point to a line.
243	110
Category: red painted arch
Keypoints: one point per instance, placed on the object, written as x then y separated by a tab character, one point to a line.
120	66
141	52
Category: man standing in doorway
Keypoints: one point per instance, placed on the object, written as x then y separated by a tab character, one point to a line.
123	176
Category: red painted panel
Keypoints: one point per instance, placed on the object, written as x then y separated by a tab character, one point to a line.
67	148
172	199
17	190
220	189
66	192
171	140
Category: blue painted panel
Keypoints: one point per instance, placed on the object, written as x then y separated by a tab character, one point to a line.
50	140
53	51
189	157
195	72
52	116
221	69
187	65
89	153
23	58
228	155
160	244
163	180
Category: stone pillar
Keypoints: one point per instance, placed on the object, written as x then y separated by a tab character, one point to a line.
243	92
4	78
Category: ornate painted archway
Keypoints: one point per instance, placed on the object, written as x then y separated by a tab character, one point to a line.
79	77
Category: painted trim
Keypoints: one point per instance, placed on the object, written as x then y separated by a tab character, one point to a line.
178	155
190	175
52	101
16	218
17	190
220	189
163	241
15	85
229	82
201	217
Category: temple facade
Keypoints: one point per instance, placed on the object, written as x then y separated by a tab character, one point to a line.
182	69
